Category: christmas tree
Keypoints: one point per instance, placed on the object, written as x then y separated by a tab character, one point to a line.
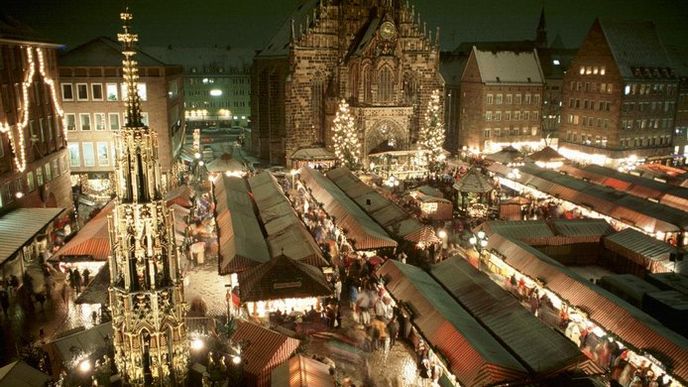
347	146
431	135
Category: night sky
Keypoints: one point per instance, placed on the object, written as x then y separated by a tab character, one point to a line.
250	23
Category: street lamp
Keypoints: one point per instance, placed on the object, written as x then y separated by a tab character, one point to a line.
442	234
479	242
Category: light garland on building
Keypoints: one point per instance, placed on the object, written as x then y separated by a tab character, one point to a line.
347	146
19	147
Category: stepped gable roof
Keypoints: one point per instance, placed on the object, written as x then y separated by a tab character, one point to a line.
635	44
103	51
508	66
279	44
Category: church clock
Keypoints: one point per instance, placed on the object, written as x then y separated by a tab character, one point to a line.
388	31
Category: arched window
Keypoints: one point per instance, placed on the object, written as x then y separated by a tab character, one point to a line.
386	85
367	87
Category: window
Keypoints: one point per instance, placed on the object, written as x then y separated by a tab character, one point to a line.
39	176
144	118
595	70
517	115
49	120
103	157
67	92
89	155
85	121
536	99
527	99
70	121
99	121
486	133
111	92
114	121
517	99
30	182
386	86
47	172
498	116
41	127
488	115
55	167
533	131
582	70
578	85
82	91
97	91
488	99
507	116
498	99
534	116
508	99
603	70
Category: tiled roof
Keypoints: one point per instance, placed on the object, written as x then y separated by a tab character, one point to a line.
263	349
473	355
91	242
509	66
19	227
279	44
635	44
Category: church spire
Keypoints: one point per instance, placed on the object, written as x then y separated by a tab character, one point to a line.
131	71
541	32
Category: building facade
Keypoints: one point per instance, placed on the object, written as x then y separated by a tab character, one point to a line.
376	54
146	286
34	168
217	84
93	97
501	100
679	56
619	96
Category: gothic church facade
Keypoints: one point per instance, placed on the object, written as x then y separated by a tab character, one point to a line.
376	54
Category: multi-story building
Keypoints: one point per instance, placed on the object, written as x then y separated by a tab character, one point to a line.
376	54
217	83
34	167
93	96
501	98
679	58
554	61
619	96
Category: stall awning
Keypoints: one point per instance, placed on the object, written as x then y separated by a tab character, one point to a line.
625	321
20	226
544	351
286	233
313	154
91	242
301	371
241	240
473	355
20	374
642	249
282	278
365	233
265	349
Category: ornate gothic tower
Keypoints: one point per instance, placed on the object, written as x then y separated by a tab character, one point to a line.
146	289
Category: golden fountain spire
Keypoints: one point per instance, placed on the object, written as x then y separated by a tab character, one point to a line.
131	71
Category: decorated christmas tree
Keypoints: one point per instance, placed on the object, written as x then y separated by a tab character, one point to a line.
431	135
347	146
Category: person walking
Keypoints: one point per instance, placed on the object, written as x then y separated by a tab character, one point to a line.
87	276
393	328
338	289
4	299
77	280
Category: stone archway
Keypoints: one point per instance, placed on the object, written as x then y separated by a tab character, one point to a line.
385	135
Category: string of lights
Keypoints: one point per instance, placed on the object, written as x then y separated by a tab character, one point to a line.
19	147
